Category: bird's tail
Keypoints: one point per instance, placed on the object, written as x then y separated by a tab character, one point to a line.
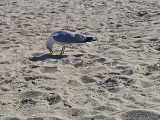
90	39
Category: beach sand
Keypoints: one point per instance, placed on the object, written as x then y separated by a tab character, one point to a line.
114	78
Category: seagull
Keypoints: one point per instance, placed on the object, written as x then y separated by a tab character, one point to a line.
65	37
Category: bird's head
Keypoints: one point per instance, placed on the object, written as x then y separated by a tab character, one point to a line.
49	44
50	49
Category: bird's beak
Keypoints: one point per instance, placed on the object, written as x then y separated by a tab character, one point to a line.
51	51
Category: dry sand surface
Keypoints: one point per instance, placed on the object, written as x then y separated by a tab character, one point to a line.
116	78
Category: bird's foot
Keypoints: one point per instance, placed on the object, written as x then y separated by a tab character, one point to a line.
61	53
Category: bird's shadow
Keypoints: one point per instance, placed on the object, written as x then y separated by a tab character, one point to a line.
47	56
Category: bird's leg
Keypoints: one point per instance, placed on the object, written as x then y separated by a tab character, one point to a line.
62	51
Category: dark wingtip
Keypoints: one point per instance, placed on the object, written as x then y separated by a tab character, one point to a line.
89	39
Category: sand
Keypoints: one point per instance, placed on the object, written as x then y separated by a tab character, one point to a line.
114	78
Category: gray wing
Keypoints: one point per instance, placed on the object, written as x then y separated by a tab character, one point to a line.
64	36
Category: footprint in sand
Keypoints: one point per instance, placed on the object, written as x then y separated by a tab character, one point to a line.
140	115
44	118
86	80
29	102
11	118
27	97
111	82
53	98
127	72
4	42
77	112
31	94
47	69
36	118
155	67
105	108
158	48
5	62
